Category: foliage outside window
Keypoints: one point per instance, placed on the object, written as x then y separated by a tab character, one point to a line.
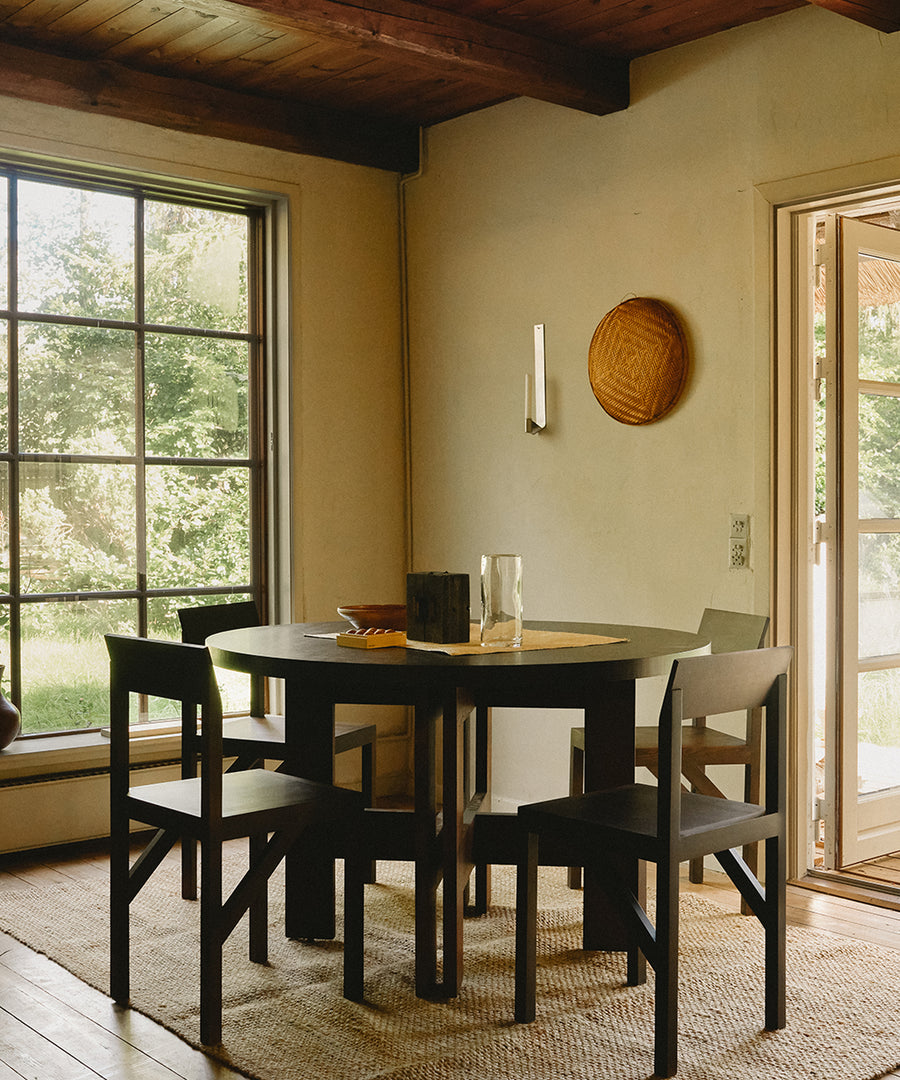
129	461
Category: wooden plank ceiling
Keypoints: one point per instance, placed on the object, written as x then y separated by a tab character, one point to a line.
351	79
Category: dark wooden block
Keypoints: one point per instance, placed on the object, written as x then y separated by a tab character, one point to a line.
437	607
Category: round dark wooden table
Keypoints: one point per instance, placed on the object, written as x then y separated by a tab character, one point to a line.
440	833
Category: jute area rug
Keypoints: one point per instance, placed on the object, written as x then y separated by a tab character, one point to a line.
288	1021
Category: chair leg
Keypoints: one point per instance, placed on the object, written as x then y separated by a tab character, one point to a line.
526	930
695	867
119	987
477	781
775	934
576	787
211	940
666	993
259	908
355	873
188	868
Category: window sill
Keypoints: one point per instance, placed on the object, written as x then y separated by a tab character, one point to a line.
56	755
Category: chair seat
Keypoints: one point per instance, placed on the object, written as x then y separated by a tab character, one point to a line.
630	811
704	742
269	729
244	794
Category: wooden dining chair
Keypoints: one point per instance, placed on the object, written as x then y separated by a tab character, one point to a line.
273	809
259	736
666	825
728	631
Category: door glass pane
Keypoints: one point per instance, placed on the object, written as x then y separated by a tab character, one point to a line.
65	666
879	594
196	391
76	390
77	524
879	319
76	251
879	456
198	526
196	267
878	763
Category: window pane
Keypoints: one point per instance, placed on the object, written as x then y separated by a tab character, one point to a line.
4	539
198	526
65	666
76	251
4	241
76	390
4	387
162	617
196	391
234	686
102	399
196	267
77	527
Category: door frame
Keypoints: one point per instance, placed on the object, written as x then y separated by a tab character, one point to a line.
784	219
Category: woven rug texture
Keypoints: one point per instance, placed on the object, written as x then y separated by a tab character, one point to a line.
288	1021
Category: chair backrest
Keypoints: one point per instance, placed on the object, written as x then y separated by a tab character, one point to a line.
723	683
197	623
177	672
733	631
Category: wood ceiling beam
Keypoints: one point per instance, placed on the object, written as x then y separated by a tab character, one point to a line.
881	15
436	40
109	89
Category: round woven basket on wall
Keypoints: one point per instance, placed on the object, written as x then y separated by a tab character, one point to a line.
638	361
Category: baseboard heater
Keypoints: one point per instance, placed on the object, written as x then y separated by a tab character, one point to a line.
64	808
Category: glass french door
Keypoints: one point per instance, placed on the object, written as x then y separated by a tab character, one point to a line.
861	426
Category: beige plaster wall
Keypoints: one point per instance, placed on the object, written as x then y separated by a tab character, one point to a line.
529	213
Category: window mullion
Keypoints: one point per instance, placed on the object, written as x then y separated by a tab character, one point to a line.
14	672
140	418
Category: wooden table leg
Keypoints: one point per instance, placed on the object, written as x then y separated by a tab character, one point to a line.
481	802
309	873
609	761
456	837
427	862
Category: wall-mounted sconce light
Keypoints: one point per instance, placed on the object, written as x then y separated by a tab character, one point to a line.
536	387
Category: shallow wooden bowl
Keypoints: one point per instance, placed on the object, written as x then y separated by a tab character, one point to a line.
379	616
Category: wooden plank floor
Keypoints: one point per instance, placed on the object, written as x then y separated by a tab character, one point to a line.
54	1027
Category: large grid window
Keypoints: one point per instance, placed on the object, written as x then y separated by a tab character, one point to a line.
130	397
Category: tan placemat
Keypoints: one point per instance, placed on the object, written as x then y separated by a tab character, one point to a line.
531	639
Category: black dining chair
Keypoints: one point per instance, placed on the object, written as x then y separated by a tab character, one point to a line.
258	736
274	810
702	746
666	825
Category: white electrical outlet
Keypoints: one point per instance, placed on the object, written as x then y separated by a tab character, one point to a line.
738	552
740	525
